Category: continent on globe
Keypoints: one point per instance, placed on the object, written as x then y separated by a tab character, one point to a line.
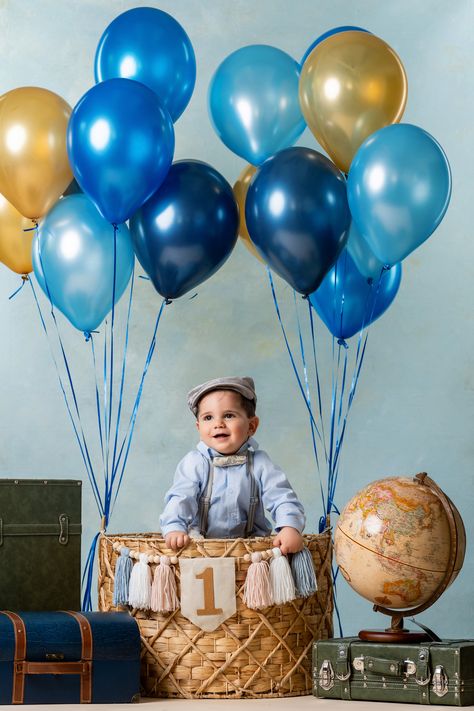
393	543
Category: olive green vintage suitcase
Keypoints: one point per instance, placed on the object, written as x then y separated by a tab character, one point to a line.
40	544
429	673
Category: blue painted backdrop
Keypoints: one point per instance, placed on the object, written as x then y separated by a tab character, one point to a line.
415	406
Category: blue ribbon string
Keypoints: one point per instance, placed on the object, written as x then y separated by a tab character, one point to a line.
90	474
308	397
127	440
97	400
316	370
109	409
292	360
24	279
87	576
122	378
359	359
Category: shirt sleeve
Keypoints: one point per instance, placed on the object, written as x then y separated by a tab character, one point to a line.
278	496
181	500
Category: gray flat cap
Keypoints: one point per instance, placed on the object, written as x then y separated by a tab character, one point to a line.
245	386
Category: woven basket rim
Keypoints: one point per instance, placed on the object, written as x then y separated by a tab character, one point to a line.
152	534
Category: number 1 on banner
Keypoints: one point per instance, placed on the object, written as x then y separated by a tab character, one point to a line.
207	576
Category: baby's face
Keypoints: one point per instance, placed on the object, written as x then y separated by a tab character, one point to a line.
223	423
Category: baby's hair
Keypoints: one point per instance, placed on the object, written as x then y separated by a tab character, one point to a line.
247	405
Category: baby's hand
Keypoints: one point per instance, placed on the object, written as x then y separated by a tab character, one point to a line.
176	540
288	540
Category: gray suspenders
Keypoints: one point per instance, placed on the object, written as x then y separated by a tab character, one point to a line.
205	500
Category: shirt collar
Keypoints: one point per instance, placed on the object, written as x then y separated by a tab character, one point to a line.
209	452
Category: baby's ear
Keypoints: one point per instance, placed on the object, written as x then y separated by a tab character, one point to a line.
253	424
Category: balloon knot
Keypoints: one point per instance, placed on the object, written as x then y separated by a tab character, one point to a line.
305	296
25	277
386	267
370	281
342	342
87	335
168	301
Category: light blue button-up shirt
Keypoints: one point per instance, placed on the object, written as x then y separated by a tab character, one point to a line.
230	496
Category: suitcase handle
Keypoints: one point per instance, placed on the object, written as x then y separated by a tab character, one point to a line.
83	668
386	667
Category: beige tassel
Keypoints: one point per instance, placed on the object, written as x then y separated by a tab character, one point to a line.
257	591
164	597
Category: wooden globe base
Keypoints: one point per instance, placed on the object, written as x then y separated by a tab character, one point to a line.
396	633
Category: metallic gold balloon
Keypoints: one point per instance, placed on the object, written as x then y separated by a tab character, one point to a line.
240	192
351	85
34	167
15	243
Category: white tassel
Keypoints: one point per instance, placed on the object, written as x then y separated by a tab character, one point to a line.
139	592
281	579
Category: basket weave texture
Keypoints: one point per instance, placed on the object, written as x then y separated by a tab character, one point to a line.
253	654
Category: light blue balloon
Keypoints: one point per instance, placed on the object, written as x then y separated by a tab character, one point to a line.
365	260
253	102
399	187
73	260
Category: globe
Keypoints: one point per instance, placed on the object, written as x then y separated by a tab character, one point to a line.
400	542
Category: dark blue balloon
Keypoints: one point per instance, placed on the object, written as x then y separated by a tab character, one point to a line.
150	46
329	33
187	229
347	301
297	215
120	146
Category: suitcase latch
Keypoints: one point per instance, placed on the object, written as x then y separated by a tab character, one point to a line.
326	675
440	681
63	529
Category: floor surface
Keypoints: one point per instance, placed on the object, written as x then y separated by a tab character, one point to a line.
295	703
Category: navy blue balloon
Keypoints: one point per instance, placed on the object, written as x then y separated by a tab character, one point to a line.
347	301
120	143
150	46
330	33
187	229
297	215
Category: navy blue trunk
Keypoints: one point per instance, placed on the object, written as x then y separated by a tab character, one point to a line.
69	657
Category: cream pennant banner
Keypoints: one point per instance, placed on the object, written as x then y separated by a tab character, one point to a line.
207	590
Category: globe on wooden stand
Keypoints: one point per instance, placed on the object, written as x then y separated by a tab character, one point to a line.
400	542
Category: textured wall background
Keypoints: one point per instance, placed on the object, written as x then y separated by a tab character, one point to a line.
414	410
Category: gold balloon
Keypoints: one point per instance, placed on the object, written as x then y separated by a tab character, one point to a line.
351	85
15	243
34	167
241	187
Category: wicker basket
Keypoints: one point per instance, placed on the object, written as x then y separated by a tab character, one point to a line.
253	654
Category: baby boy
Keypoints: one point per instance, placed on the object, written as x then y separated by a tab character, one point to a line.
221	488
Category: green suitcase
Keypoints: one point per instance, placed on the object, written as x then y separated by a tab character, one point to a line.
40	544
439	673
